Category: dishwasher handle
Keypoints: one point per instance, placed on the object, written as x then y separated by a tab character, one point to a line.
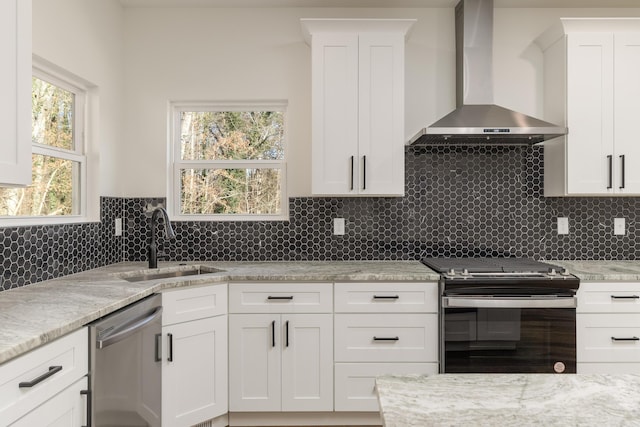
128	330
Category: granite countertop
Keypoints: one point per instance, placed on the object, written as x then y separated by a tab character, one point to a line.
510	400
35	314
599	271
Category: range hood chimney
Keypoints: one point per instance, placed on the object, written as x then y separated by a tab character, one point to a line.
477	120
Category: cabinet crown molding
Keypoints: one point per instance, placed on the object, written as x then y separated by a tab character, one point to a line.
311	26
566	26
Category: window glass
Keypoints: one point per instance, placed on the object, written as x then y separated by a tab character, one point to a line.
232	135
229	161
57	154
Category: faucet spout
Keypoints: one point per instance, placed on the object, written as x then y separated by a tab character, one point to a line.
168	231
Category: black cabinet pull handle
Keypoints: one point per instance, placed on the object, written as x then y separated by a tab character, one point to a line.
364	172
52	371
170	356
286	333
625	297
610	159
386	338
158	342
88	394
622	171
386	297
352	159
289	298
273	333
625	339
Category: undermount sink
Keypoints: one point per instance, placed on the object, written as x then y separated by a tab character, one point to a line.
153	275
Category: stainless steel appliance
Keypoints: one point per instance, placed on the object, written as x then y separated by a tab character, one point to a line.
476	119
506	315
125	369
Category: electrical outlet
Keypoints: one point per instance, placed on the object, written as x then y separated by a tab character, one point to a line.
338	226
563	225
118	227
619	227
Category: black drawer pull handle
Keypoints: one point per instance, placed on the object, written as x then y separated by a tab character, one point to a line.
386	297
625	339
52	371
170	357
289	298
625	297
287	333
386	338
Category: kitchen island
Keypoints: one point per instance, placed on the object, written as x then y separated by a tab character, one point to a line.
510	400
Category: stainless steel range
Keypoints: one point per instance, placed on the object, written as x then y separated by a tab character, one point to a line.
508	315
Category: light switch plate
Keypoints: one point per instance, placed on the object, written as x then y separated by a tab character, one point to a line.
563	225
338	226
619	227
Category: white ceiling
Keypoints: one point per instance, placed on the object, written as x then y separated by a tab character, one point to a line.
378	3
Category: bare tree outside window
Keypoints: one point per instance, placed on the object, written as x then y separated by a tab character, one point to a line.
236	158
54	175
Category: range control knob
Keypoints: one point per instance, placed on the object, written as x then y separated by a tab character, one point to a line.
465	272
564	272
451	272
552	272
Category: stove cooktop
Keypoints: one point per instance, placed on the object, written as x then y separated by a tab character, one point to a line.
490	265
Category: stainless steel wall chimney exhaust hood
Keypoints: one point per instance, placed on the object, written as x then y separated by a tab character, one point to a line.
477	120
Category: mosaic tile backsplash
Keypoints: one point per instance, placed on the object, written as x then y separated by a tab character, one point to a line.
460	201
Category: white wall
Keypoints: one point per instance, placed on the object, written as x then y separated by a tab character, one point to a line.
228	54
85	38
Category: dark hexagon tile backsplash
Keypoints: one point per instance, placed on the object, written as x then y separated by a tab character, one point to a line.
460	201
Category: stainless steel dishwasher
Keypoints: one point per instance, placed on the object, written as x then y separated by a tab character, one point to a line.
125	369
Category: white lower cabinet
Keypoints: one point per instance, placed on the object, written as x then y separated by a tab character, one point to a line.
45	387
194	356
382	329
280	362
66	409
281	347
608	328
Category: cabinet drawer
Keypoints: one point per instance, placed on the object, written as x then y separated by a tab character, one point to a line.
67	358
608	337
355	382
386	337
386	297
608	368
186	304
281	298
617	297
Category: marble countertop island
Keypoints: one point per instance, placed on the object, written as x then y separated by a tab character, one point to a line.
510	400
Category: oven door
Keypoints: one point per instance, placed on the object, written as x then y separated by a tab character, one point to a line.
509	334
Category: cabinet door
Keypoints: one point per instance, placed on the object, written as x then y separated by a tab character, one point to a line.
627	94
66	409
254	365
194	372
381	114
590	154
307	362
15	92
335	114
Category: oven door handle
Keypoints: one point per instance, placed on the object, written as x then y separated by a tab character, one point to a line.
514	302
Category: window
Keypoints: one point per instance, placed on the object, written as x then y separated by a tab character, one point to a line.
58	161
229	161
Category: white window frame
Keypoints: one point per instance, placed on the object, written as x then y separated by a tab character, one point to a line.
42	70
176	163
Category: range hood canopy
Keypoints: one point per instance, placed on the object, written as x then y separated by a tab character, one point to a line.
477	120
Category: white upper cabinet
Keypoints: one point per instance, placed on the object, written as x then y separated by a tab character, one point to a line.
15	92
357	105
591	74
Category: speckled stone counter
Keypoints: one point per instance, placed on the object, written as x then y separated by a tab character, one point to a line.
510	400
35	314
602	271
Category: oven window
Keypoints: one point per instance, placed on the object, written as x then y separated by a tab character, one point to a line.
509	340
